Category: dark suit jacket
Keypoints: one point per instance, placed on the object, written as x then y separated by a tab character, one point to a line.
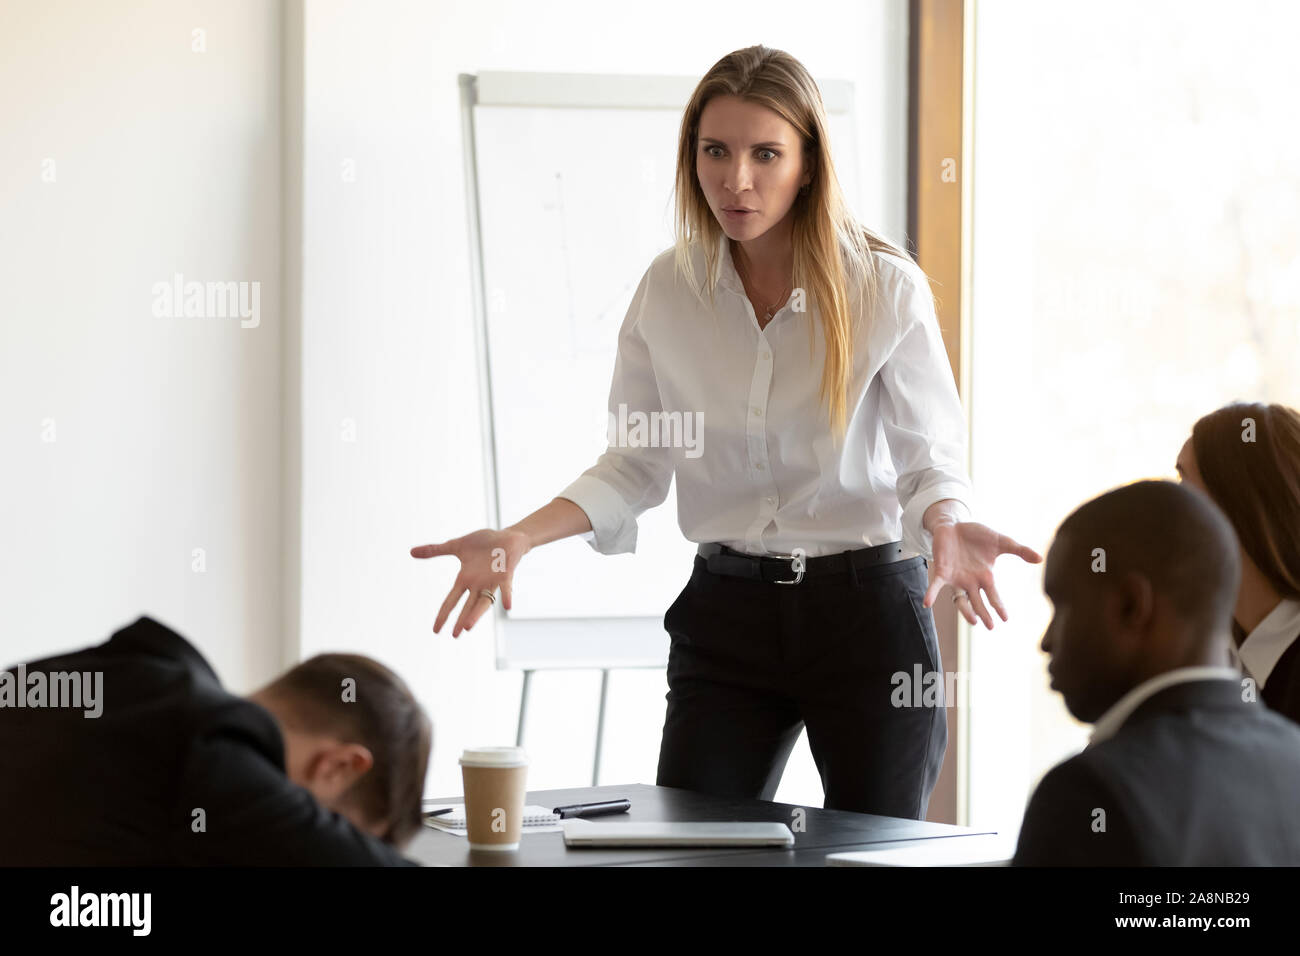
1282	689
122	788
1194	777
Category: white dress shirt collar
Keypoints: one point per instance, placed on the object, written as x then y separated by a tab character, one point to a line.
1265	645
728	277
1109	723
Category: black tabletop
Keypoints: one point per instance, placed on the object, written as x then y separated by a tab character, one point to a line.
816	832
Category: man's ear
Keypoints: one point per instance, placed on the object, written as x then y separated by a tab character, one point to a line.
1129	609
1139	599
335	766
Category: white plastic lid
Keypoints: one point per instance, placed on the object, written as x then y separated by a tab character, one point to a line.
494	757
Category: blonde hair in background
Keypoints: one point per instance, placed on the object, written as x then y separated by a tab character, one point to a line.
829	244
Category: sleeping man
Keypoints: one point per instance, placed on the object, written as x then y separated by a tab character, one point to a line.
159	765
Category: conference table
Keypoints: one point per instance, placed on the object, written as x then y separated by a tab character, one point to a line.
817	832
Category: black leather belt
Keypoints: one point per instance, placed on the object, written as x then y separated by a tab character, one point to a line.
791	569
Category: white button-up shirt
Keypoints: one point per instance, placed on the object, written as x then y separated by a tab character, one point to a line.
740	422
1265	645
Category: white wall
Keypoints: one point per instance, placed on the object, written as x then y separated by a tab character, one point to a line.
166	431
172	434
388	347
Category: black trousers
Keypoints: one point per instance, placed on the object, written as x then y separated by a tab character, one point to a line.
752	663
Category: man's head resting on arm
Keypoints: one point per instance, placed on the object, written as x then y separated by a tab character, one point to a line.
361	749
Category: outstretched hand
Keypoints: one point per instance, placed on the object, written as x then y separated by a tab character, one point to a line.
964	553
488	559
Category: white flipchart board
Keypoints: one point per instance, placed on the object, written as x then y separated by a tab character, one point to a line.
570	178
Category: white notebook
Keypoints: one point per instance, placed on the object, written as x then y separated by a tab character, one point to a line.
534	816
984	849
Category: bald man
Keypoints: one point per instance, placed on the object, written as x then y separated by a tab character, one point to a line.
1183	768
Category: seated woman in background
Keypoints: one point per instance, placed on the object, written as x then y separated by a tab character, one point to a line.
1246	457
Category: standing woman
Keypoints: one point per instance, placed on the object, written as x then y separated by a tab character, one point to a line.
803	606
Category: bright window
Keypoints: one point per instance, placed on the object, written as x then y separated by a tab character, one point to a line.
1136	265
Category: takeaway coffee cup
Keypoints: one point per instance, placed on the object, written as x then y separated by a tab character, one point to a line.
494	796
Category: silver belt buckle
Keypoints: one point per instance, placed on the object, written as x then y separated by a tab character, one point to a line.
796	565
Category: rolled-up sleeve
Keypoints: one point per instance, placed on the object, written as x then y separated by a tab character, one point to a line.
625	481
922	414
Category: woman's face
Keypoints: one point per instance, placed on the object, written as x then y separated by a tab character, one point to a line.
1186	466
748	158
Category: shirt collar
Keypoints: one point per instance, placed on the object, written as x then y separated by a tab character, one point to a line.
1265	645
728	277
1109	723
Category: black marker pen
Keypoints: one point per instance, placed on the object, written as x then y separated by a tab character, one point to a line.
594	809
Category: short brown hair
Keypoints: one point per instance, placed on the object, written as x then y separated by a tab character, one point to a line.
384	717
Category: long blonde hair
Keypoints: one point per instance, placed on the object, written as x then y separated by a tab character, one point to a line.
829	244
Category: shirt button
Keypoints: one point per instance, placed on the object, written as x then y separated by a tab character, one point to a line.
765	355
758	465
758	412
771	501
